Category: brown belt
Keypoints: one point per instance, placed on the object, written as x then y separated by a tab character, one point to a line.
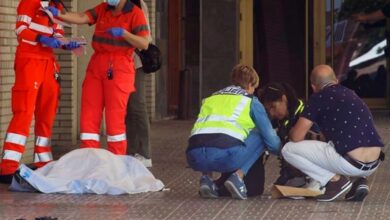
361	165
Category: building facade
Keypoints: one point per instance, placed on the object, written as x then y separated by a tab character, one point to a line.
202	40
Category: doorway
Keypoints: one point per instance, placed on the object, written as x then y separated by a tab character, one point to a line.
357	51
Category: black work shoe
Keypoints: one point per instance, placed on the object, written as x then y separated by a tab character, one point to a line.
335	189
358	191
26	186
6	179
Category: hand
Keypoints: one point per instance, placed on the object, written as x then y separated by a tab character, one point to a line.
53	10
71	45
116	31
49	41
360	18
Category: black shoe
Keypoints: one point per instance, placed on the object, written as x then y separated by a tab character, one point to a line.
23	183
335	189
6	179
358	191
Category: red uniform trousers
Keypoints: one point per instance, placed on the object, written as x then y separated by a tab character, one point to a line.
111	95
35	92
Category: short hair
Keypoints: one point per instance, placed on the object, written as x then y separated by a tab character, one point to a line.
243	75
322	76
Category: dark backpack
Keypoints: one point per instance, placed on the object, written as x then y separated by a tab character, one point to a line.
150	58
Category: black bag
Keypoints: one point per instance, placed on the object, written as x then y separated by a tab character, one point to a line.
150	58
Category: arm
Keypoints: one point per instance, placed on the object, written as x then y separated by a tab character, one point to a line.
25	12
263	124
298	132
371	17
74	17
139	42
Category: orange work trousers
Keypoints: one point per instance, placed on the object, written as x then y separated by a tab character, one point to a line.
35	92
108	93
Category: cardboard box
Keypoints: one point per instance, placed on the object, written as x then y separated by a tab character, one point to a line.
279	191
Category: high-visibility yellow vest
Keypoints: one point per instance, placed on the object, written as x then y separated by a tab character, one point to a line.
226	112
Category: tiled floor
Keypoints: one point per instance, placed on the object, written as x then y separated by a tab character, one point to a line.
181	200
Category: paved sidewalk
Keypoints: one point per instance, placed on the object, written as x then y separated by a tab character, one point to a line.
181	201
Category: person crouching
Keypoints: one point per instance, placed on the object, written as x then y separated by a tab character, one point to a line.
230	134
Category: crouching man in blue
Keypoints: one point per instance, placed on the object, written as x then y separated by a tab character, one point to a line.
230	134
353	148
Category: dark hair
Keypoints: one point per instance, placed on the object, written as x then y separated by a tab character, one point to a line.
274	91
137	3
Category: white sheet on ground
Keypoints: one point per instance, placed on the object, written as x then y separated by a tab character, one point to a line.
92	171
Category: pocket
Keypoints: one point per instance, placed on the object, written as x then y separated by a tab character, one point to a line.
19	99
124	80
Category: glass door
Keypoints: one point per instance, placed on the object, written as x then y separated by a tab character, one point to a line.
356	51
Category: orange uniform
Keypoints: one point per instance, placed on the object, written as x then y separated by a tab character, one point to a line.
110	76
35	91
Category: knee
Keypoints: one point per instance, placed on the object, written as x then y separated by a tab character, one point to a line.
287	149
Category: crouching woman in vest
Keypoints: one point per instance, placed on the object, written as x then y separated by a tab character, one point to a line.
230	134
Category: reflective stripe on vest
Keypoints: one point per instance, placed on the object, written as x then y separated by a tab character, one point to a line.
15	139
58	35
42	141
89	136
24	18
12	155
43	157
116	138
299	110
20	29
225	113
40	28
29	42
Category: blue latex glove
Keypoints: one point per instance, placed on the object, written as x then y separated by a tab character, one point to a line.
71	45
49	41
116	31
53	10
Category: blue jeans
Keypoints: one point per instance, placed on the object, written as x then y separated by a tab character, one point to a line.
209	159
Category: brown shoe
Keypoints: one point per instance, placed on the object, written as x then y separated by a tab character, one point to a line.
335	189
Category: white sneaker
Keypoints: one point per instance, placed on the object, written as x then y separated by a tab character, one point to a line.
314	185
146	162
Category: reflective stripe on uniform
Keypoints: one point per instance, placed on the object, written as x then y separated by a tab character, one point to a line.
218	130
116	138
12	155
24	18
59	27
89	136
111	41
230	120
43	157
42	142
29	42
41	28
20	29
139	29
240	107
16	139
93	14
58	35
